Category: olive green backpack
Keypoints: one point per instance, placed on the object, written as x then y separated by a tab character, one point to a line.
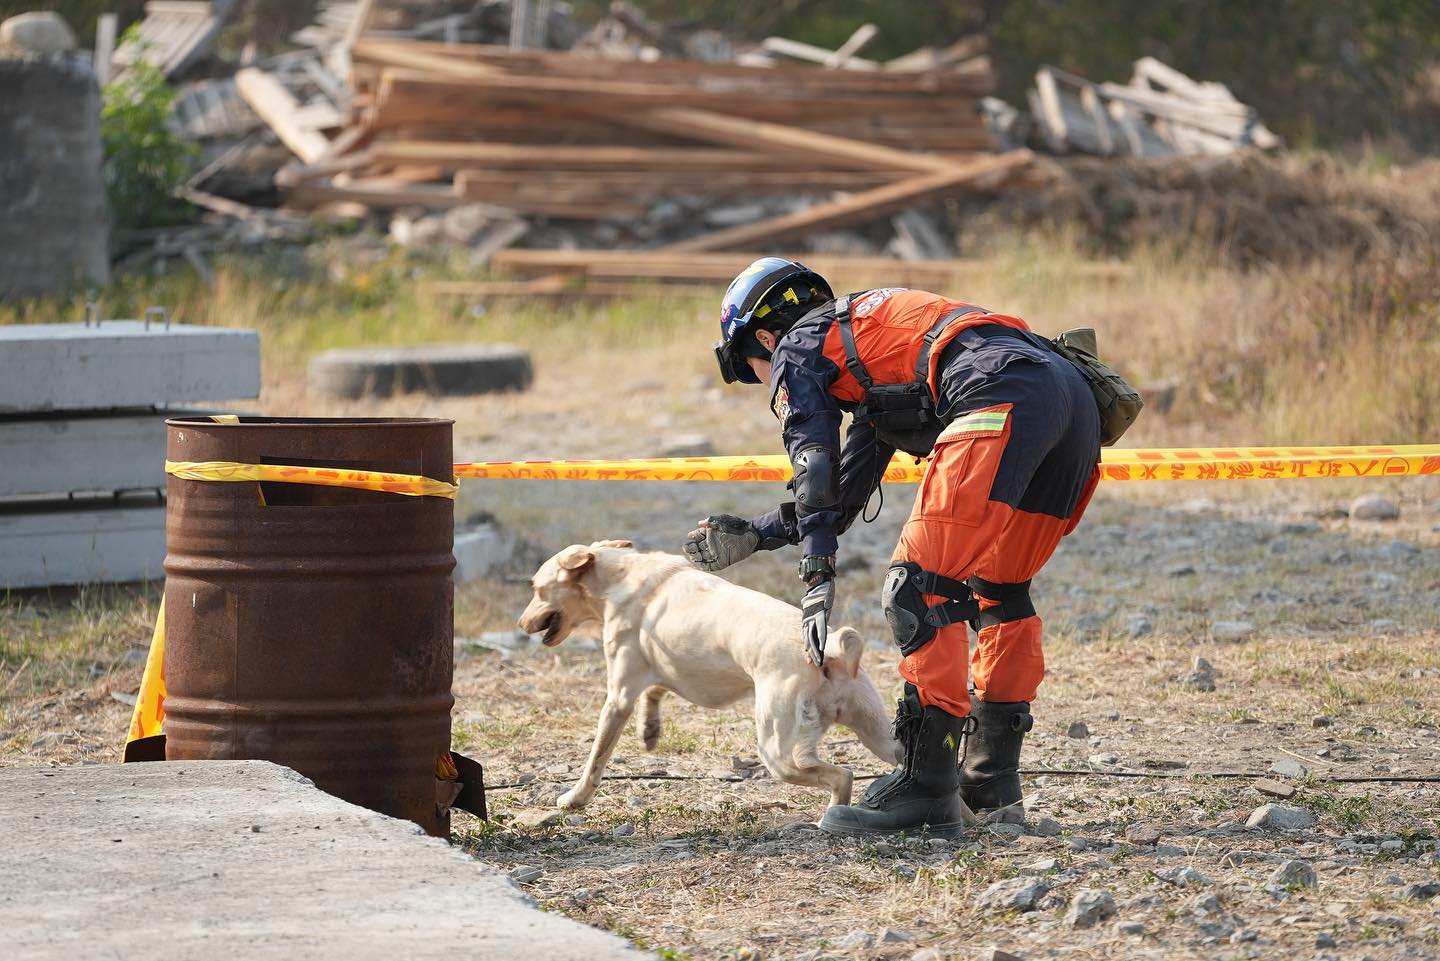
1119	403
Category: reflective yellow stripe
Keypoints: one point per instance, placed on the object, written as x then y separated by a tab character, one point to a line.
978	422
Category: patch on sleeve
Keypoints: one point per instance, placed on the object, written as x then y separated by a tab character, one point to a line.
780	404
982	423
873	299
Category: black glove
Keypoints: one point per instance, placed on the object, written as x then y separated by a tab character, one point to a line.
819	573
721	540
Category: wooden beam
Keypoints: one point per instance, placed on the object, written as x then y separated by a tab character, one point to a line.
866	205
806	51
844	54
568	157
777	138
279	110
104	46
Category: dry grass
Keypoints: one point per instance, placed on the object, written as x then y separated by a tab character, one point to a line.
1336	350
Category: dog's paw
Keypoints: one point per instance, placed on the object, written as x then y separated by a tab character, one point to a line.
571	800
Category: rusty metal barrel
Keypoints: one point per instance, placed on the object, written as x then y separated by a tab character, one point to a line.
313	626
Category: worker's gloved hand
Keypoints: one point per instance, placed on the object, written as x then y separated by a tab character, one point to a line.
819	574
721	540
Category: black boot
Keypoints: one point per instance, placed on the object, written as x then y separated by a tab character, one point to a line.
920	794
990	766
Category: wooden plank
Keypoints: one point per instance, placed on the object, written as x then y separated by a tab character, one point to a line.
494	185
359	23
866	205
573	158
309	195
421	54
844	55
758	135
929	58
811	53
268	98
612	209
542	96
104	46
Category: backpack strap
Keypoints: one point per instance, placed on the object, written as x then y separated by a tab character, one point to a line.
847	337
922	360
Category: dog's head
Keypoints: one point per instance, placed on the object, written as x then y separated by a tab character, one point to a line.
561	601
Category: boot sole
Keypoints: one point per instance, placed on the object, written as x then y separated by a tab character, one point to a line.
953	830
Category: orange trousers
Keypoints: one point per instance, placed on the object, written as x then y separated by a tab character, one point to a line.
956	530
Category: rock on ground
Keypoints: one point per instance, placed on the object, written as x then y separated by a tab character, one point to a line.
1089	907
1292	875
1278	817
1013	894
1373	507
1232	630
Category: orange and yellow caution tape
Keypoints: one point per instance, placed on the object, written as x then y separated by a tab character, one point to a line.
219	470
1232	463
1116	464
148	718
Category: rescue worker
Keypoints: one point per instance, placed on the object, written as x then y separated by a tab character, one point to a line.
1013	434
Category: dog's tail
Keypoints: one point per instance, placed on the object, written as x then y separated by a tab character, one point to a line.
844	647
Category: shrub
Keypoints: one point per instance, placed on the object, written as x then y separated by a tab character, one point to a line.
144	161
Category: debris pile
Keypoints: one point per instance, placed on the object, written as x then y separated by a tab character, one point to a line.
629	134
1160	113
505	123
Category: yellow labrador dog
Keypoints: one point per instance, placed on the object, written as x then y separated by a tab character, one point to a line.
666	626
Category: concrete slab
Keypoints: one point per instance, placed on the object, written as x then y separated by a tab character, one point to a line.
65	453
103	541
246	859
121	363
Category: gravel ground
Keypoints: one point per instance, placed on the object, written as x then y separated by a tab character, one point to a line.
1194	634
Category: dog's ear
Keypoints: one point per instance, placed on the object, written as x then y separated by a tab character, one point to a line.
575	561
623	545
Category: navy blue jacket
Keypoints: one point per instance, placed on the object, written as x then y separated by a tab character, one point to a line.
810	416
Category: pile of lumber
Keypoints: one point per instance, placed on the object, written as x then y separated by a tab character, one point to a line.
1160	113
570	136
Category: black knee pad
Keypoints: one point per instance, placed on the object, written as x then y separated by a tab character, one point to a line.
905	608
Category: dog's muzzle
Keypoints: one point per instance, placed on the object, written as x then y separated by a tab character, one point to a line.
551	626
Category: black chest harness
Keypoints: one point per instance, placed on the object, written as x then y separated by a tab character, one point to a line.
903	415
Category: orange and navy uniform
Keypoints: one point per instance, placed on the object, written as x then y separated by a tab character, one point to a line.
1009	476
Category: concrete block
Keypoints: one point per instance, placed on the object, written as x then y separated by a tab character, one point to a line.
482	550
247	859
47	367
81	543
54	225
52	454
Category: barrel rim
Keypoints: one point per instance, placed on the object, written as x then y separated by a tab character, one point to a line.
257	420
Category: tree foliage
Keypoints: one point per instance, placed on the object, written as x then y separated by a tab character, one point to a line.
144	160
